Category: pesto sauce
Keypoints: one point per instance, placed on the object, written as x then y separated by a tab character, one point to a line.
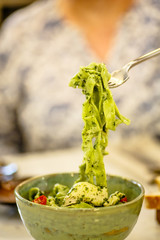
100	114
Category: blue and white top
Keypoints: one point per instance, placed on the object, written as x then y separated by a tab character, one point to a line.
39	53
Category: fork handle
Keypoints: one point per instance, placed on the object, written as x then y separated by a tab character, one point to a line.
143	58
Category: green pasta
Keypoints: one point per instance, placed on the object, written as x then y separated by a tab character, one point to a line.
100	114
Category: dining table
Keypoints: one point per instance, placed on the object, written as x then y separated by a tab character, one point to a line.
137	159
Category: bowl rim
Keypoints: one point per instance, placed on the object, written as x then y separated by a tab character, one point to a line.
28	202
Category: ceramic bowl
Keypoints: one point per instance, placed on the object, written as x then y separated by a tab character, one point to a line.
48	223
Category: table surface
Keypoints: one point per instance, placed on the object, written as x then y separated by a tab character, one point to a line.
122	160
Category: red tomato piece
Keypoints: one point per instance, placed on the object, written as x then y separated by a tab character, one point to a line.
123	200
41	200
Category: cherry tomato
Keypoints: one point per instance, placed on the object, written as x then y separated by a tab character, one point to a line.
41	200
123	200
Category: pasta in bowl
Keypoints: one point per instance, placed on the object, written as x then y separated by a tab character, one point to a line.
89	205
49	223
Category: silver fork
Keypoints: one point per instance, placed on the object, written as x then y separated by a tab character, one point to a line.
119	77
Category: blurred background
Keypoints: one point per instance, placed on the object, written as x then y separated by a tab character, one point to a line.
7	7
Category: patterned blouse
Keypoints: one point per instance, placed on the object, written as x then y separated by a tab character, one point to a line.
40	52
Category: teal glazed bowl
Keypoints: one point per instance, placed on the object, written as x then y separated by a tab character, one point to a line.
106	223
